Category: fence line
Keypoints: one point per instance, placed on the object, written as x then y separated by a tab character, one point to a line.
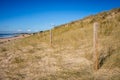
96	39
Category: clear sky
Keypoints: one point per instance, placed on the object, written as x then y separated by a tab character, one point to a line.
37	15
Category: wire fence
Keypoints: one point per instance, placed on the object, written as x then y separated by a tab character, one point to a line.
104	38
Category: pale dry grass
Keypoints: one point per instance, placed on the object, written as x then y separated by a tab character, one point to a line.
70	57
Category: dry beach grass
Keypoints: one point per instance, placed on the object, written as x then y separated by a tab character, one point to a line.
71	55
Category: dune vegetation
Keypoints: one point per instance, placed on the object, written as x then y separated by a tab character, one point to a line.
70	56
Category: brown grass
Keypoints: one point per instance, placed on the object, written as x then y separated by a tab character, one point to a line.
71	55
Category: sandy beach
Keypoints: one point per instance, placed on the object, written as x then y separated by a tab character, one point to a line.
3	40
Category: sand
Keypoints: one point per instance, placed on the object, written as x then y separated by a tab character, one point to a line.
3	40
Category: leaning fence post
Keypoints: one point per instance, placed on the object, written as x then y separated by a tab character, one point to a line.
95	45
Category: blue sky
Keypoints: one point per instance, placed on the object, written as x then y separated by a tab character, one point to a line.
37	15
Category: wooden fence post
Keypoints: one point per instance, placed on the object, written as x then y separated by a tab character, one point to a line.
95	45
51	37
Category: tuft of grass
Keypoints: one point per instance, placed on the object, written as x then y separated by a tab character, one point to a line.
31	51
3	49
18	60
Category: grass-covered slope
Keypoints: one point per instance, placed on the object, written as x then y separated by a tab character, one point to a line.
71	55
